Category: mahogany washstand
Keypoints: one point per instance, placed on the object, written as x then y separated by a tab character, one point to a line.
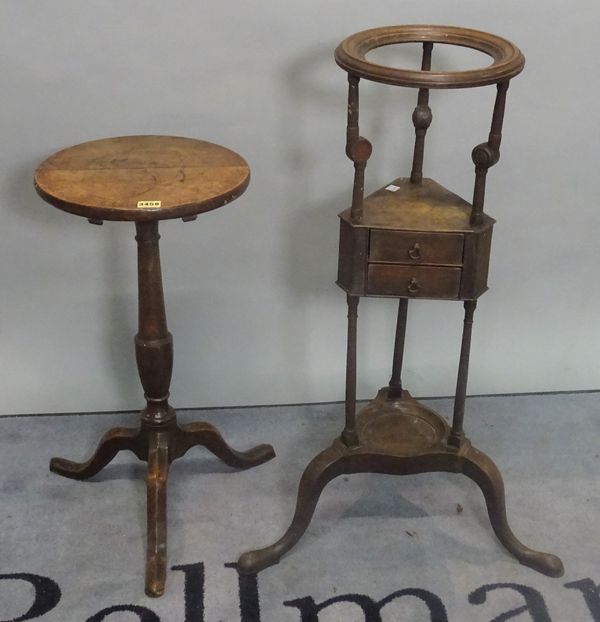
412	239
146	179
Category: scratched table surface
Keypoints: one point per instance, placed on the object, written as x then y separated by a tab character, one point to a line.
142	178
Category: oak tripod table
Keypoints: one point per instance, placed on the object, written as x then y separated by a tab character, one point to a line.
412	239
146	179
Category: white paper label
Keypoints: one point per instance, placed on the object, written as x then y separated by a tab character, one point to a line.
393	188
149	203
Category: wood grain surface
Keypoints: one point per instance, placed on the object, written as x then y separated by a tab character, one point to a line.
107	179
507	59
404	206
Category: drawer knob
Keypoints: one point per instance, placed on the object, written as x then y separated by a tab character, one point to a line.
414	286
415	252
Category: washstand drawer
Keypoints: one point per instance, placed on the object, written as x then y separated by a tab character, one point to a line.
413	281
406	247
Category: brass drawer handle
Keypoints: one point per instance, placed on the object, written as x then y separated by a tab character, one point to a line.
415	252
414	286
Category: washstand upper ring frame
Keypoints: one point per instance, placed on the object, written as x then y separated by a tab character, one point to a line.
508	61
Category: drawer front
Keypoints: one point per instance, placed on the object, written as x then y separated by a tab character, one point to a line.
413	281
442	249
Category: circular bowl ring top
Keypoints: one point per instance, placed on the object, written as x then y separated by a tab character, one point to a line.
508	61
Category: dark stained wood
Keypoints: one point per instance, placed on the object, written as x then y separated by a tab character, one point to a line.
415	224
418	224
476	263
156	511
106	179
438	282
422	117
407	438
349	434
358	149
414	239
395	386
457	435
508	61
427	206
487	154
354	251
160	439
437	249
153	342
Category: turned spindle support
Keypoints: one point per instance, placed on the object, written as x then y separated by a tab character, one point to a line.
457	434
395	386
487	154
358	149
153	343
349	435
422	118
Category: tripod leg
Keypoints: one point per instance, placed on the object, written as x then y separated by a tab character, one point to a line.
114	441
328	465
156	550
206	435
486	475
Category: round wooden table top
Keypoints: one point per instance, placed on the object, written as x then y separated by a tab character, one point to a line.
142	178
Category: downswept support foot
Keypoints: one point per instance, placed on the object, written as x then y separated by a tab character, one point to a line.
159	445
400	436
206	435
156	508
114	441
328	465
482	470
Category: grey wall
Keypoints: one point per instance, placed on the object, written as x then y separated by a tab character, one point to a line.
250	288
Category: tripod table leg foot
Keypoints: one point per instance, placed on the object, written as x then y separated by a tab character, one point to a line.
482	470
156	551
205	434
328	465
114	441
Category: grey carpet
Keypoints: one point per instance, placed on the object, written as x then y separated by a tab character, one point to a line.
372	536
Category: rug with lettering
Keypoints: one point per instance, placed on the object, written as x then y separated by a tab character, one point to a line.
379	549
